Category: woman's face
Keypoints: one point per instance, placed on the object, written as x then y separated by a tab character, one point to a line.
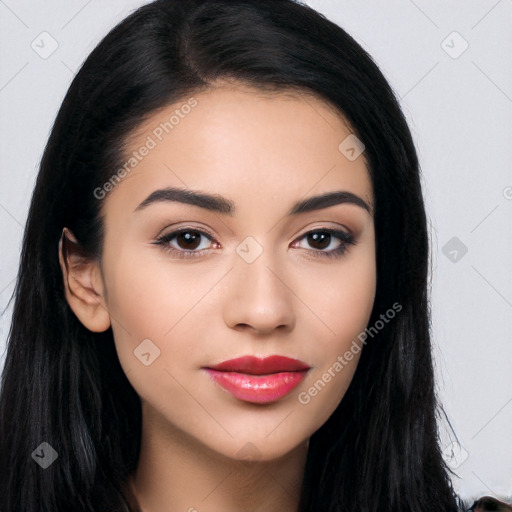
245	277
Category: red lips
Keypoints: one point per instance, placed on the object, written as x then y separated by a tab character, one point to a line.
257	366
257	380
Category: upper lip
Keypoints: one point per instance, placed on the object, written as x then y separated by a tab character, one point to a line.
259	366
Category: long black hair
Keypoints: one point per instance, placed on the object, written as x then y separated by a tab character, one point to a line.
63	385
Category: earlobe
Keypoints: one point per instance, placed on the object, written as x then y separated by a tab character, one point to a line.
83	284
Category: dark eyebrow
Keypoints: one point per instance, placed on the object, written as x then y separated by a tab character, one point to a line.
213	203
219	204
329	199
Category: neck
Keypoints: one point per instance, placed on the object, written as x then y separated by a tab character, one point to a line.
176	472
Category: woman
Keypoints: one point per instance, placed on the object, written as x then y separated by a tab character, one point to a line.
215	308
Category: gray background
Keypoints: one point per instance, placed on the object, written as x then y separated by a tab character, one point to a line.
458	102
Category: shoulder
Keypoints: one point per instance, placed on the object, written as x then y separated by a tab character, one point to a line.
488	503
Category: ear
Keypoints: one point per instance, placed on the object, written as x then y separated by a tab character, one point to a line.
83	284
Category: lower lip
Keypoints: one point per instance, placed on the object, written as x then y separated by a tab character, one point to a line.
257	388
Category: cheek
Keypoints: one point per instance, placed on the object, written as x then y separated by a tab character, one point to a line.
148	301
149	295
343	300
161	301
343	297
346	310
351	302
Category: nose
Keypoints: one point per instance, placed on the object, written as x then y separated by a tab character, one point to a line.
259	298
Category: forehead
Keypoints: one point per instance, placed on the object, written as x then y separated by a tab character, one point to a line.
243	143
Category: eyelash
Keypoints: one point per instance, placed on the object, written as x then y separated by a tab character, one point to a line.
345	238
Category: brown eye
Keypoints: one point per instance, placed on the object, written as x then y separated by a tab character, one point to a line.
188	240
185	243
319	239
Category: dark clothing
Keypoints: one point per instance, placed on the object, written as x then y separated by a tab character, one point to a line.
487	503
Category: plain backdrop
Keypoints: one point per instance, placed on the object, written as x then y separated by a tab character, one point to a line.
450	65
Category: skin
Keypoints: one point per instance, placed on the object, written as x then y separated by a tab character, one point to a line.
264	153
